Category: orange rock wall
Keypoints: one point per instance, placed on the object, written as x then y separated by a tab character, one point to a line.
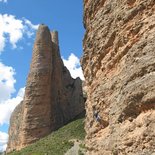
119	68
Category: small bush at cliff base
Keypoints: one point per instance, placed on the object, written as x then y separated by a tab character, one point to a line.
56	143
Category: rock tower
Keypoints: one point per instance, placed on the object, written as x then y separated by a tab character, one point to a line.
119	69
52	97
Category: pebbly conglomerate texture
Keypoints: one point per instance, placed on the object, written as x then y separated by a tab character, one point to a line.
52	97
119	69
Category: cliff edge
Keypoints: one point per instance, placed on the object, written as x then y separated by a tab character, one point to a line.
119	69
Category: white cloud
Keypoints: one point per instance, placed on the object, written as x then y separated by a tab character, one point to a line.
7	107
7	82
7	104
29	27
73	65
35	27
3	141
12	30
3	1
2	41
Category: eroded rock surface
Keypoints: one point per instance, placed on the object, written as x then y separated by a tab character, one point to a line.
119	68
52	97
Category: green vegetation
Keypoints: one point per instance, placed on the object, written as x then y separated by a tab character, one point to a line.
80	152
82	149
56	143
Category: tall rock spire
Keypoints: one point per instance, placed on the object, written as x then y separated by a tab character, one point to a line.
37	100
52	97
36	109
54	35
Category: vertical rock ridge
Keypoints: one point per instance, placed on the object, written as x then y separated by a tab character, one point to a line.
36	121
54	35
52	97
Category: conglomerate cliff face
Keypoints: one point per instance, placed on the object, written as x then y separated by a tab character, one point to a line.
119	68
52	97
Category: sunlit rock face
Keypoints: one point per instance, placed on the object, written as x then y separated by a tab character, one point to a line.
119	69
52	97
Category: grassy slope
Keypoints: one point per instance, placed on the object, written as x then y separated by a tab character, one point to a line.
56	143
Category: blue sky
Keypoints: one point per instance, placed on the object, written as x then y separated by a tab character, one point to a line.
19	20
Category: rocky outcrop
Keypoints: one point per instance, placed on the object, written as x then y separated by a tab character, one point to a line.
119	68
52	97
15	127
